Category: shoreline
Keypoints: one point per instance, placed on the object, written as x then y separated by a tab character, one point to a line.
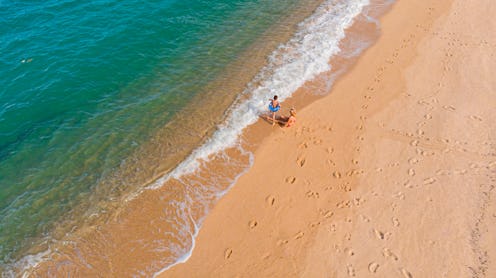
338	194
166	147
128	216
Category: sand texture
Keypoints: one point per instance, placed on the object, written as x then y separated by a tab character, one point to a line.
392	174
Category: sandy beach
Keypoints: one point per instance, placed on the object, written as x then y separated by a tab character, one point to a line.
392	174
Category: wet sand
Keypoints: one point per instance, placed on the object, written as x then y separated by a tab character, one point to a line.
391	174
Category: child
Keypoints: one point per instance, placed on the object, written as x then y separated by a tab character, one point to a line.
274	106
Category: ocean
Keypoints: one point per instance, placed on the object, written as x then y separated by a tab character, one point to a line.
108	108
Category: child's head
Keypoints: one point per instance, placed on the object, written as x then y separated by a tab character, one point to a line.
275	97
292	112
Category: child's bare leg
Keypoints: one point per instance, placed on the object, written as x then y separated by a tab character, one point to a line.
273	118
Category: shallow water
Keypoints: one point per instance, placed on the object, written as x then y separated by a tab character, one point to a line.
87	85
144	102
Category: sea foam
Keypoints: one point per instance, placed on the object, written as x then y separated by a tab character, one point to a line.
301	59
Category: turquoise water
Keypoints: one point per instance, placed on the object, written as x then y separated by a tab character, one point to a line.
84	85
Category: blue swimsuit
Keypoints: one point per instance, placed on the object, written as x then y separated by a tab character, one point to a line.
274	109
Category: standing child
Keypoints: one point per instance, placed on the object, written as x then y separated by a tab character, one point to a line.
274	106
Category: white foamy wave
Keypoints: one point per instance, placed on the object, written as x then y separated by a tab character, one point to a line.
299	60
190	230
24	264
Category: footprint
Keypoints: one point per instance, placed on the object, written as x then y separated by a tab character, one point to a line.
358	201
394	206
351	271
413	160
473	166
266	256
343	204
427	153
379	234
291	180
427	116
314	224
303	145
414	143
442	172
388	254
364	218
271	200
252	224
411	172
408	184
393	164
449	107
301	161
299	235
327	214
474	117
358	172
395	221
282	241
405	273
399	195
317	141
373	266
312	194
228	253
346	187
336	174
429	181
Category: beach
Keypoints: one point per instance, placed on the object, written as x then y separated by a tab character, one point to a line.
163	163
391	174
153	203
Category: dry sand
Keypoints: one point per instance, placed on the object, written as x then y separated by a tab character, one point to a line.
390	175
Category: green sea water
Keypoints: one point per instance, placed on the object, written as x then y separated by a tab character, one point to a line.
85	85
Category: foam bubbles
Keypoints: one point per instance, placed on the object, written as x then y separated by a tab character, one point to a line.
301	59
